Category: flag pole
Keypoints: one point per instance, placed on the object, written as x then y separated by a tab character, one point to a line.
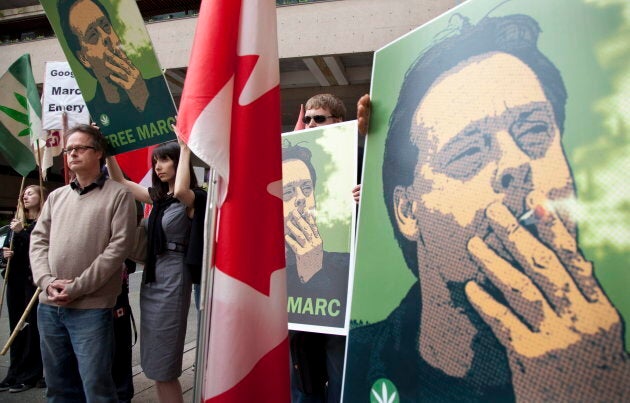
66	168
41	173
6	273
207	277
21	324
41	184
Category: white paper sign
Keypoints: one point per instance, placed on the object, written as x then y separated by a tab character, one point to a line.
62	94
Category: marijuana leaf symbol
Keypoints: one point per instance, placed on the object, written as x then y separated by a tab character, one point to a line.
388	392
18	116
104	120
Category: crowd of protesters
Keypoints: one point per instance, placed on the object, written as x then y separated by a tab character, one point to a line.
80	238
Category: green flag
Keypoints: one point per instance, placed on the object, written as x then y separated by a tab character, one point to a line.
20	115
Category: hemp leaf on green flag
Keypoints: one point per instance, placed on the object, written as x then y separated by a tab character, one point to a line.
20	115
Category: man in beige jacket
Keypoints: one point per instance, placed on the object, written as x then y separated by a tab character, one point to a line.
77	250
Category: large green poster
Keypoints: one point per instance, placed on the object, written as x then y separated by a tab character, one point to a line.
111	55
493	245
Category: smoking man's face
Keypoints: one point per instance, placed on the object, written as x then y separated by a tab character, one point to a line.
297	188
487	133
99	42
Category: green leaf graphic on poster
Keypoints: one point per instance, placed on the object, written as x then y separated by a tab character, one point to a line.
384	391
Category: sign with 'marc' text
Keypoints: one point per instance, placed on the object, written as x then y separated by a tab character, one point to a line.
62	95
318	173
111	55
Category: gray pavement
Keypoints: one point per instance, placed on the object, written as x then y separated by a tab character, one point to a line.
144	389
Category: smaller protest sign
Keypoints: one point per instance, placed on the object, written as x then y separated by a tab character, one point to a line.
318	174
62	94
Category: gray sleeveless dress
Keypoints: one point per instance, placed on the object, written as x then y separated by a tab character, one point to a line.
164	304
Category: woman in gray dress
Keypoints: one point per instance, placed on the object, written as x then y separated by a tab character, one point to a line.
166	286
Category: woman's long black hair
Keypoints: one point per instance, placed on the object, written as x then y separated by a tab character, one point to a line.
171	150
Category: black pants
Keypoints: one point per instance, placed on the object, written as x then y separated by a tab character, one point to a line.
121	366
26	358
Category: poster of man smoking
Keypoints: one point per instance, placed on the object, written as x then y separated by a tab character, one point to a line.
493	243
318	174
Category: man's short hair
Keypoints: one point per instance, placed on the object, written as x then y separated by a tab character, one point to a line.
297	152
328	101
516	35
64	7
98	140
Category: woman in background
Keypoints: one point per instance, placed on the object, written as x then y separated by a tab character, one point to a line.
25	369
178	205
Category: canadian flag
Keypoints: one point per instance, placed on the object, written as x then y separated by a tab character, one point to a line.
230	118
54	146
137	165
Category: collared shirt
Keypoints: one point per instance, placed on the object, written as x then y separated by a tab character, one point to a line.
99	182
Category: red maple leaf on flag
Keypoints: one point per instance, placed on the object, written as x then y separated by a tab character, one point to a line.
230	118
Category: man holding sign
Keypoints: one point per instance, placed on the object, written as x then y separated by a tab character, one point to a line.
317	359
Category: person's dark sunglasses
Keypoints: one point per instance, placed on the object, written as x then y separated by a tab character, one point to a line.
317	118
78	149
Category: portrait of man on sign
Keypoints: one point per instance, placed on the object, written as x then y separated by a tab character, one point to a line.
475	182
100	51
318	215
112	58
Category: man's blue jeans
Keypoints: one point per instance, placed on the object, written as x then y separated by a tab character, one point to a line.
77	350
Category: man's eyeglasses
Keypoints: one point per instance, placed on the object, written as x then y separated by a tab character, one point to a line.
78	149
289	191
316	118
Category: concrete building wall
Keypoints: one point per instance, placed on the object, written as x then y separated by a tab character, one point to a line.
342	27
325	28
